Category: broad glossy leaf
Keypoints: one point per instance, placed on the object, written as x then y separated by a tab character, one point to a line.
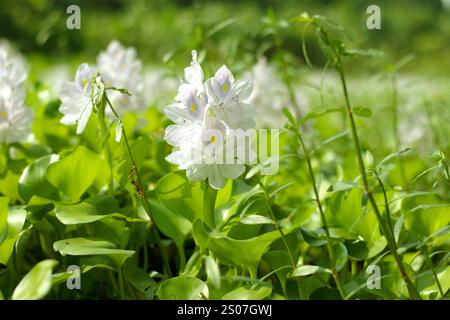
345	211
307	270
75	173
90	210
248	293
16	220
173	225
212	271
86	247
247	252
33	182
183	288
37	283
180	195
3	218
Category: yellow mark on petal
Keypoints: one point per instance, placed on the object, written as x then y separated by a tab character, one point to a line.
225	87
213	139
3	114
192	107
84	81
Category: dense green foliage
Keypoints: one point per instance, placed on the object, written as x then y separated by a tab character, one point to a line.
363	174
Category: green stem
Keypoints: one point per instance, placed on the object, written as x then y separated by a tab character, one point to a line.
427	255
322	214
121	284
209	203
104	135
141	192
283	237
412	290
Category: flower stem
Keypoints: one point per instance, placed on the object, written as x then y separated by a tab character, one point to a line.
209	202
283	237
412	290
322	214
104	135
135	179
438	283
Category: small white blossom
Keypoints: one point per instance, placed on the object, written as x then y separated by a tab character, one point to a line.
77	98
119	67
15	118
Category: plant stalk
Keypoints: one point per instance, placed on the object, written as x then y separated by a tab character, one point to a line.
412	290
322	214
135	179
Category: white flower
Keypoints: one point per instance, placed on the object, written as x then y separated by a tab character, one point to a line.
159	87
15	118
77	98
269	96
12	67
204	116
119	67
228	99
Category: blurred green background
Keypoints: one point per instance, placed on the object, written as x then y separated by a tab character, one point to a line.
231	31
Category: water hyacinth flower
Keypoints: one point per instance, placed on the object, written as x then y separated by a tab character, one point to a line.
15	118
78	97
119	67
204	116
269	95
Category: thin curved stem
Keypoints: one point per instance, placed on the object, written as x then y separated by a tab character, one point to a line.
412	290
135	179
322	214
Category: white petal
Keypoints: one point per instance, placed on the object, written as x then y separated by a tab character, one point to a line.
84	118
242	89
178	113
232	171
198	172
215	178
176	135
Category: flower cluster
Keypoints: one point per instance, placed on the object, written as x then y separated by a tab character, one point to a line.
270	95
15	118
204	115
117	67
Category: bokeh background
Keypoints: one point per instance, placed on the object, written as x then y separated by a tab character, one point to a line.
231	30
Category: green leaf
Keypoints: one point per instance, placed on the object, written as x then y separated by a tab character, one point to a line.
180	195
246	293
256	219
86	247
341	255
212	271
183	288
16	220
90	210
139	279
173	225
363	53
3	218
37	283
75	173
317	112
307	270
345	211
362	112
247	252
33	182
